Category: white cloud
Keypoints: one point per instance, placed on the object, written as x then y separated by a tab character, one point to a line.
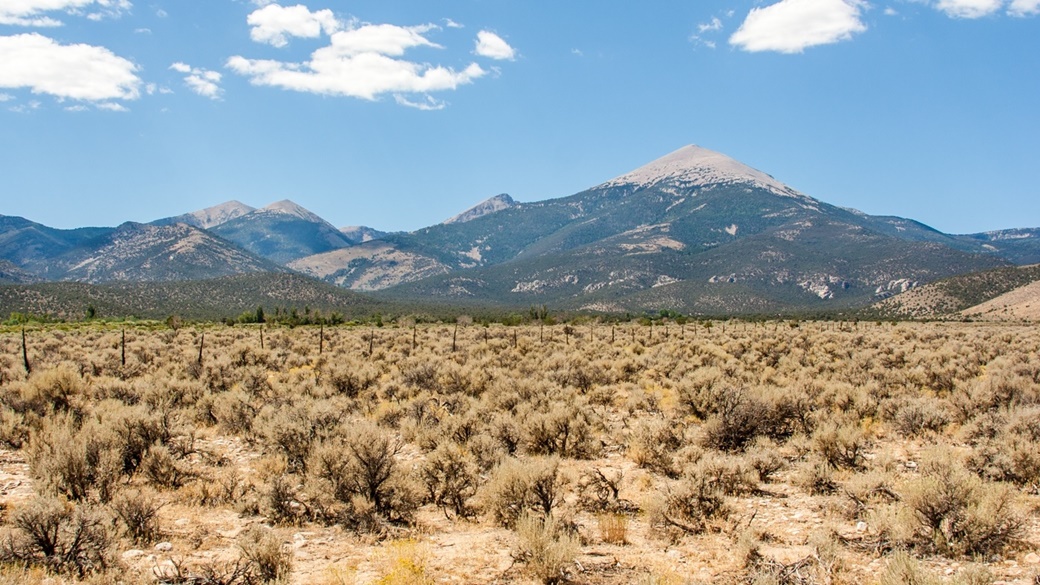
969	8
791	26
452	24
79	72
273	24
6	97
889	11
493	46
201	81
31	12
361	62
1022	8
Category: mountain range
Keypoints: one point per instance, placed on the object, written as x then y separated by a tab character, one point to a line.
694	231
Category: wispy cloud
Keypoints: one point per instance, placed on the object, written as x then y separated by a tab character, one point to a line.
201	81
34	12
493	46
791	26
714	25
80	72
430	104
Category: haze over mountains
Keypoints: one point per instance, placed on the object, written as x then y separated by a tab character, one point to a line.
693	231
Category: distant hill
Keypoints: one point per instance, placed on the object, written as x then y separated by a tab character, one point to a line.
1020	304
201	299
956	296
130	252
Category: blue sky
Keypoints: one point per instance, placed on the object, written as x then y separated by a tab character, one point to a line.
400	114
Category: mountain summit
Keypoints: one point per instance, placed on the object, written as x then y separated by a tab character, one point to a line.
291	208
283	231
485	207
692	166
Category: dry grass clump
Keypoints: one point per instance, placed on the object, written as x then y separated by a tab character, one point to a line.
545	547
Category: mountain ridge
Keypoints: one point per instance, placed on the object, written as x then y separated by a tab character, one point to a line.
694	229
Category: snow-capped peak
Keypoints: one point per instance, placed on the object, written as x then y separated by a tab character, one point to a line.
693	166
289	208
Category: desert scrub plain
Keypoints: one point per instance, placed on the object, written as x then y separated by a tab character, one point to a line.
759	453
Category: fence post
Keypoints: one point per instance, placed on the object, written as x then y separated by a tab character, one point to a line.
25	354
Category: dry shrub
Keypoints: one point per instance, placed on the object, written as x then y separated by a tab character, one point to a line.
270	561
950	511
841	445
520	485
689	504
600	492
360	473
60	536
77	462
915	416
816	476
763	456
234	411
653	445
350	379
563	429
545	548
736	416
138	512
163	470
13	430
450	478
56	390
1007	445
